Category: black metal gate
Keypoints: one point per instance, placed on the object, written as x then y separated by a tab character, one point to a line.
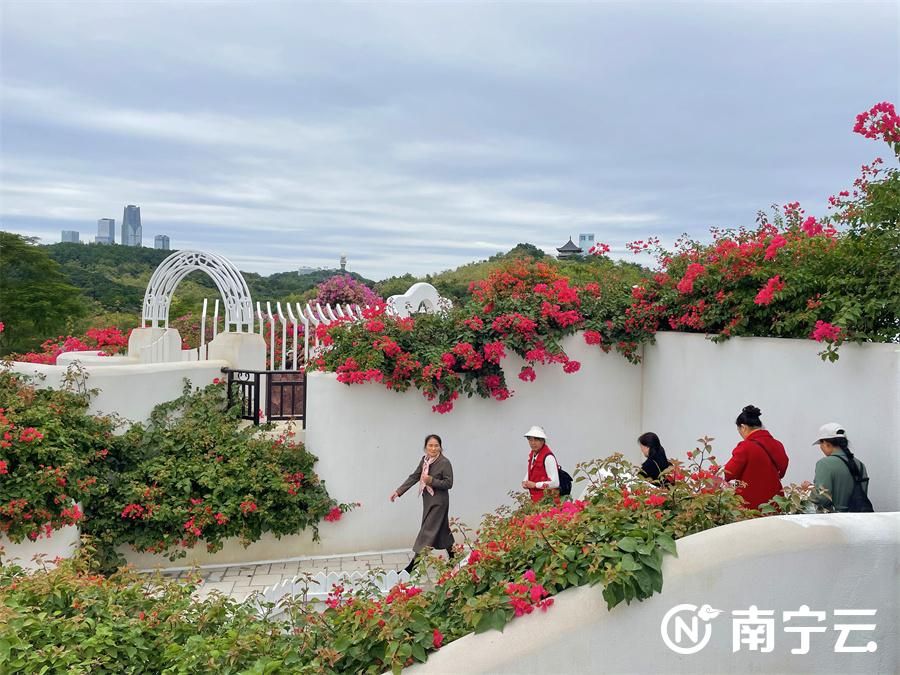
282	391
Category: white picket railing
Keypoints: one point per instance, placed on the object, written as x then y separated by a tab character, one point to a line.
290	329
308	588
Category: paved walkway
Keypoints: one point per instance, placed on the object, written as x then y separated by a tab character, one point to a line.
241	581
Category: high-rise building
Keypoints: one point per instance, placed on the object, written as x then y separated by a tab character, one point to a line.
131	226
586	241
161	241
70	236
106	231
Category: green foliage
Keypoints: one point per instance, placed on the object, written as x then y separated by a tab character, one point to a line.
36	302
72	619
194	473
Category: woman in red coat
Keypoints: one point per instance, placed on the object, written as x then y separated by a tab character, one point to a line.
759	460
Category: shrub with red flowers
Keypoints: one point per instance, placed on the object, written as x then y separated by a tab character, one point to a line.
615	537
523	307
104	341
831	278
51	454
193	475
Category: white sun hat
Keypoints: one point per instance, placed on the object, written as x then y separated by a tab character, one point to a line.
536	432
830	430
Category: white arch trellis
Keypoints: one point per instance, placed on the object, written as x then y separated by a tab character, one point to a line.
172	270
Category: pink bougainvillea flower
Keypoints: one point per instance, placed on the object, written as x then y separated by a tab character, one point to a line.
826	331
767	293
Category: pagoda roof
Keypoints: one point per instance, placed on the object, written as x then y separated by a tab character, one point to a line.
570	247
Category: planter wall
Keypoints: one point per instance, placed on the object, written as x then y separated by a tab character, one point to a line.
827	562
61	543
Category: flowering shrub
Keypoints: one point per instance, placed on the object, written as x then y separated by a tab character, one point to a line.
344	289
831	278
615	536
523	307
195	475
51	454
70	619
106	341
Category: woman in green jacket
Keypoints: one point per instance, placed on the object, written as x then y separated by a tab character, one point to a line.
833	470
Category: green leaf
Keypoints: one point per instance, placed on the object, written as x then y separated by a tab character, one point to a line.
418	653
628	544
667	544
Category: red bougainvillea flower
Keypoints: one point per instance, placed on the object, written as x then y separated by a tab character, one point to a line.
593	337
812	227
4	467
777	242
767	292
686	285
880	121
572	366
826	331
527	374
334	515
248	507
437	639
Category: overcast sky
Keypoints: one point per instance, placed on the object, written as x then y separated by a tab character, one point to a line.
420	136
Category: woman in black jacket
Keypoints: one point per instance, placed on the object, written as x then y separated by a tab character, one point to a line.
656	461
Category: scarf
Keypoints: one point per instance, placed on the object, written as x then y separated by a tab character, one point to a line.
423	486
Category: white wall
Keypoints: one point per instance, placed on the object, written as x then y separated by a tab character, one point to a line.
828	562
131	391
369	439
693	387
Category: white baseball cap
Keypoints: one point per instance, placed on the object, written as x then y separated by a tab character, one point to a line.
830	430
536	432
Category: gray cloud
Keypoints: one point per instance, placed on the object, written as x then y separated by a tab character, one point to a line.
419	137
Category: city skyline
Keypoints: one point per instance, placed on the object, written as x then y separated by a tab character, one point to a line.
422	137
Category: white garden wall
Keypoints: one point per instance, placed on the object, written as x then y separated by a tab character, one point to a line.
131	390
369	439
693	387
827	562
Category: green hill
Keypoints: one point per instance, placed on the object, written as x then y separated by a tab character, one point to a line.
454	284
113	279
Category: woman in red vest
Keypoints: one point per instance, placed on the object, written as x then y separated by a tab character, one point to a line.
759	460
542	476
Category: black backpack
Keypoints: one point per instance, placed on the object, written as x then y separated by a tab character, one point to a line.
859	502
565	481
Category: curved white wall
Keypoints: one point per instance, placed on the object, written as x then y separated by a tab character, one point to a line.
369	439
693	387
828	562
132	390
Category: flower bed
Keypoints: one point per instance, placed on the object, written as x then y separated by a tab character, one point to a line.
51	455
195	474
525	308
615	537
830	279
105	341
